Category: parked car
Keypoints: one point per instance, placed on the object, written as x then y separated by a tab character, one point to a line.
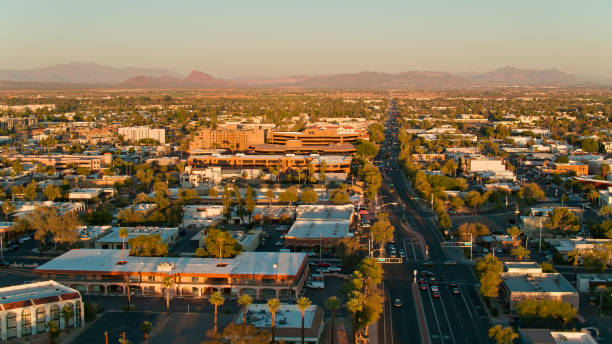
322	270
426	273
334	269
428	264
324	264
450	262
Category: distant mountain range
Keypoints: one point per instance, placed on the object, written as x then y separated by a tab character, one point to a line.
91	75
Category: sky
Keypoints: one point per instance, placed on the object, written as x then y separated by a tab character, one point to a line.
280	38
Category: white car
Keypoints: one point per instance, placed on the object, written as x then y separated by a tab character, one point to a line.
334	269
434	288
322	270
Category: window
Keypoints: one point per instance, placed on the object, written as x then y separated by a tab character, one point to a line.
151	278
11	325
26	322
195	279
55	312
41	320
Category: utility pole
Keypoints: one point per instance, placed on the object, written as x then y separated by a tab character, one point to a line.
105	337
471	247
540	246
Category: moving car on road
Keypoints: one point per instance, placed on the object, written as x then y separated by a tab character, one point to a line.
397	303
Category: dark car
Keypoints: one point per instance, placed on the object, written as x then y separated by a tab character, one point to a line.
324	264
423	287
426	273
456	291
453	284
428	264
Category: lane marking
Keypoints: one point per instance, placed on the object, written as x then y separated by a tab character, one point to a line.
435	313
465	301
450	328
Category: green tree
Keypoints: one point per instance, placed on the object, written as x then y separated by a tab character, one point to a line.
249	201
303	303
53	330
382	230
562	159
520	253
562	219
471	230
217	300
531	192
7	208
212	192
450	167
289	195
366	150
590	145
339	196
488	270
473	199
547	267
148	246
592	196
68	315
187	195
221	244
322	170
51	192
514	232
332	304
309	196
244	300
605	211
502	335
273	306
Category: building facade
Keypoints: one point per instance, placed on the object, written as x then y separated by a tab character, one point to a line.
63	161
333	163
102	272
136	134
27	308
314	136
234	139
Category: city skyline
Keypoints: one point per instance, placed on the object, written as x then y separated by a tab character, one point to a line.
278	39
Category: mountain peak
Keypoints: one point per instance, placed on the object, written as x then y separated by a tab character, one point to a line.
198	77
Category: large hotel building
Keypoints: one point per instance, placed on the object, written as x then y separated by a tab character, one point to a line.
102	272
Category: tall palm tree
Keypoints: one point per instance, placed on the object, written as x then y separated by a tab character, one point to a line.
574	255
244	300
592	195
216	299
123	233
273	306
303	303
514	232
333	304
167	283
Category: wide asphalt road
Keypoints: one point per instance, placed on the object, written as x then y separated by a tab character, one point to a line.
450	319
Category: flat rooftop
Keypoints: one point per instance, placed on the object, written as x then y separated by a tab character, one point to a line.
537	283
38	291
325	212
247	263
315	229
134	232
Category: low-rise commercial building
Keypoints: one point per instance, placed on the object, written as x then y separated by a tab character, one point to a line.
315	136
320	225
64	161
287	322
101	272
333	163
546	336
579	168
200	216
27	308
527	282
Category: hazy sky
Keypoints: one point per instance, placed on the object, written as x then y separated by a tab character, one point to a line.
279	38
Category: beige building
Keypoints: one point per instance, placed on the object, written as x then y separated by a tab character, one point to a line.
27	308
234	139
136	134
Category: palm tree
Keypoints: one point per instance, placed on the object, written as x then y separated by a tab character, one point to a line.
605	211
303	304
593	195
573	256
333	304
146	327
167	283
355	306
244	300
273	306
123	233
520	253
514	232
216	299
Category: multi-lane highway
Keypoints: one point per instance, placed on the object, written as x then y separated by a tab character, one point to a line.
449	319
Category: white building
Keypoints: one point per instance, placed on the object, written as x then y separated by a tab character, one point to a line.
287	322
138	133
200	216
27	308
486	165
